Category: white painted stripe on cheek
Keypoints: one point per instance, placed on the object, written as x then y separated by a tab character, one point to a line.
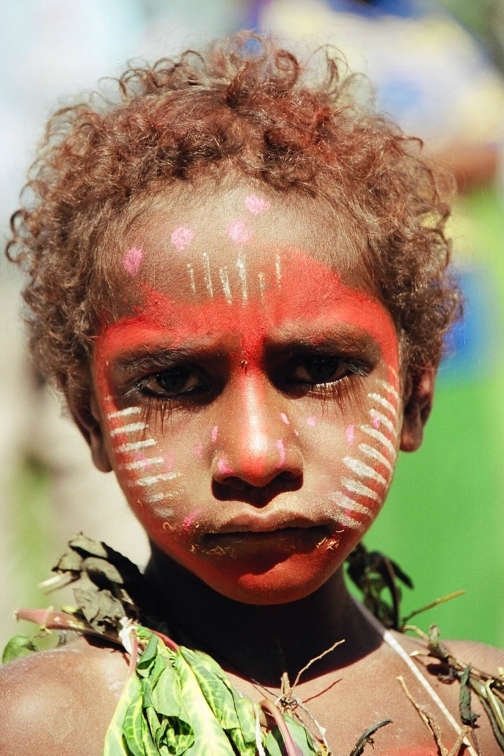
136	445
223	273
124	412
141	463
350	523
380	417
384	403
379	437
154	497
346	502
373	453
389	389
278	270
131	428
354	486
363	470
151	480
207	273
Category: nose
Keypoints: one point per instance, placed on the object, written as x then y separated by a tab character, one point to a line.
256	445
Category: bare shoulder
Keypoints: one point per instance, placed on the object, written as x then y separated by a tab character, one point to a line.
486	658
60	701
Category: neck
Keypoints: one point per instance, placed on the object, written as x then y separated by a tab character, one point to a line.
261	642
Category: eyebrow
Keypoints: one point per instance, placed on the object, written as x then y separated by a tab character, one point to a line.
144	359
346	338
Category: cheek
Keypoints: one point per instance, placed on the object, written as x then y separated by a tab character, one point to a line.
354	459
145	468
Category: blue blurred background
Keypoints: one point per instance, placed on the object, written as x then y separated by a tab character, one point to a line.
437	68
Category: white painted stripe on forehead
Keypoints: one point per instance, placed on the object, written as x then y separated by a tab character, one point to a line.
124	412
376	434
356	487
190	270
389	388
242	272
363	470
138	464
262	284
381	417
384	403
223	273
153	479
131	428
346	502
207	273
136	445
370	451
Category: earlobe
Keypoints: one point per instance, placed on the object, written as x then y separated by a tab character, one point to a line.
84	408
418	399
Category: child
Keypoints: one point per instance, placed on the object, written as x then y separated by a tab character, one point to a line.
239	283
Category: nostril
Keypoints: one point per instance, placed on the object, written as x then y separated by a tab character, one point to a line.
235	488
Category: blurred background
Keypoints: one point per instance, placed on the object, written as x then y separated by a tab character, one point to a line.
437	68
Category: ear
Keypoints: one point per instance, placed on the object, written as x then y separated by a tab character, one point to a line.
418	399
84	409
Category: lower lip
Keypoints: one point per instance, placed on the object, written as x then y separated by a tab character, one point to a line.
284	539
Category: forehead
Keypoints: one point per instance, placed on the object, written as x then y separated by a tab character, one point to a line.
191	234
198	267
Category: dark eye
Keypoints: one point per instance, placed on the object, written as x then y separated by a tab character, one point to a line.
172	382
320	370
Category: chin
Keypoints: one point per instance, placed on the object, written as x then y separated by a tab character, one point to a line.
282	583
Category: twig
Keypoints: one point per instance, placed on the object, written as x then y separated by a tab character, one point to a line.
432	605
315	659
433	726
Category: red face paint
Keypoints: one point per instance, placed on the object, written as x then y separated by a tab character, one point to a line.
269	462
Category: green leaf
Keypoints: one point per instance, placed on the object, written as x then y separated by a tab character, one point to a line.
206	727
19	645
274	744
115	742
234	713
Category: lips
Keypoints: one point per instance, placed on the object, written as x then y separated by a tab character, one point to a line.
267	546
265	523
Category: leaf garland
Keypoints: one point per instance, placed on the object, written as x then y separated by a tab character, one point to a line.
178	701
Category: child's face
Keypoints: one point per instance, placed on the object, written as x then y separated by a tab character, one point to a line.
248	400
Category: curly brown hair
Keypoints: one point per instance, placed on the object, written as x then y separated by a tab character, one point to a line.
248	106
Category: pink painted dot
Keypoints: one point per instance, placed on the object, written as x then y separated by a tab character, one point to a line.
215	431
132	260
350	433
296	432
190	520
199	450
375	422
284	418
256	205
223	467
281	450
239	232
311	421
182	237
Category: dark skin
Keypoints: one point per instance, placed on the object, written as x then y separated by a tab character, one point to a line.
227	478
